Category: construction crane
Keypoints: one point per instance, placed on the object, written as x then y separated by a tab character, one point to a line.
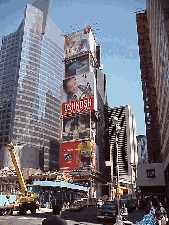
27	199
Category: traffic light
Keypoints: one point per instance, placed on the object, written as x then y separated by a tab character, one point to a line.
118	191
10	144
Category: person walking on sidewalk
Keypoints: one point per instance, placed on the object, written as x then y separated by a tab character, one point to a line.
55	219
161	214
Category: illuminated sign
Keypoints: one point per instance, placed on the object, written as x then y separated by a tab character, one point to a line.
86	104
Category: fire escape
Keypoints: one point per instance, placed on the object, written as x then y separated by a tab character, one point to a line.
149	91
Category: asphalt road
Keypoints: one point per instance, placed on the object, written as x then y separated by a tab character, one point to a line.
86	217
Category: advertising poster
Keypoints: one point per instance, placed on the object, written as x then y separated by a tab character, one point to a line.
78	87
85	104
76	66
76	155
76	128
77	42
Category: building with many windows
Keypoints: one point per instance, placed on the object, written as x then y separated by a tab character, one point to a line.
153	40
31	73
153	29
125	145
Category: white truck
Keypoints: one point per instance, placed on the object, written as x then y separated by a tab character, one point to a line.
90	202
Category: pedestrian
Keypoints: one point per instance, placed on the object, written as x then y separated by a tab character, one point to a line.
161	214
55	219
152	210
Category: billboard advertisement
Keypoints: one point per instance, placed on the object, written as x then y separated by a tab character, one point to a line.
76	128
77	42
78	87
77	155
76	66
78	94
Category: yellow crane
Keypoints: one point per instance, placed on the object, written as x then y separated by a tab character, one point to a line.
27	199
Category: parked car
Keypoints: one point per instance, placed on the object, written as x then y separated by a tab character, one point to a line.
76	206
107	211
82	203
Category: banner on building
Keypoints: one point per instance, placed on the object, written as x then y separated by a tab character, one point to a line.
77	42
78	87
77	65
77	155
85	104
76	128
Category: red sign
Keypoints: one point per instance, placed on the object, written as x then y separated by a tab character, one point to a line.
76	155
85	104
69	155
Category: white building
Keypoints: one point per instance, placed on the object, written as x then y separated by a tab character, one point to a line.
127	144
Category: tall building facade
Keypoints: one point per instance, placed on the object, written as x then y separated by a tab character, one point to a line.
153	29
142	149
127	144
84	97
31	72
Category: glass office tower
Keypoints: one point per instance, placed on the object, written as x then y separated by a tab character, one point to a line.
31	73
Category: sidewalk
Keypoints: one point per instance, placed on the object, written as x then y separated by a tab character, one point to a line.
136	216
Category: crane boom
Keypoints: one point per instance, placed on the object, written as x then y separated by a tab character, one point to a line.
18	170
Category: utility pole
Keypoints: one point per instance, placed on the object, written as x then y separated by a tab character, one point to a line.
110	163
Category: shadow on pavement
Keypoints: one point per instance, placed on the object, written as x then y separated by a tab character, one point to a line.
38	215
136	216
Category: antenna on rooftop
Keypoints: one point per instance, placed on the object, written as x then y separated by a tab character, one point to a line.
72	28
77	26
94	24
89	23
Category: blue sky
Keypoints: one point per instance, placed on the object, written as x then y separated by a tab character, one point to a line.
117	36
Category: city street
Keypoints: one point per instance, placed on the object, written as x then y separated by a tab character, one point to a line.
86	217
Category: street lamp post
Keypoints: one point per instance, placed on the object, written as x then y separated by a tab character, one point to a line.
117	130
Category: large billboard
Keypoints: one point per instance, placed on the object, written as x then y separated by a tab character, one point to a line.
77	42
77	155
76	128
77	65
78	94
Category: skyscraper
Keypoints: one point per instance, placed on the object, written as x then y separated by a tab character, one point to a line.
31	73
153	30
